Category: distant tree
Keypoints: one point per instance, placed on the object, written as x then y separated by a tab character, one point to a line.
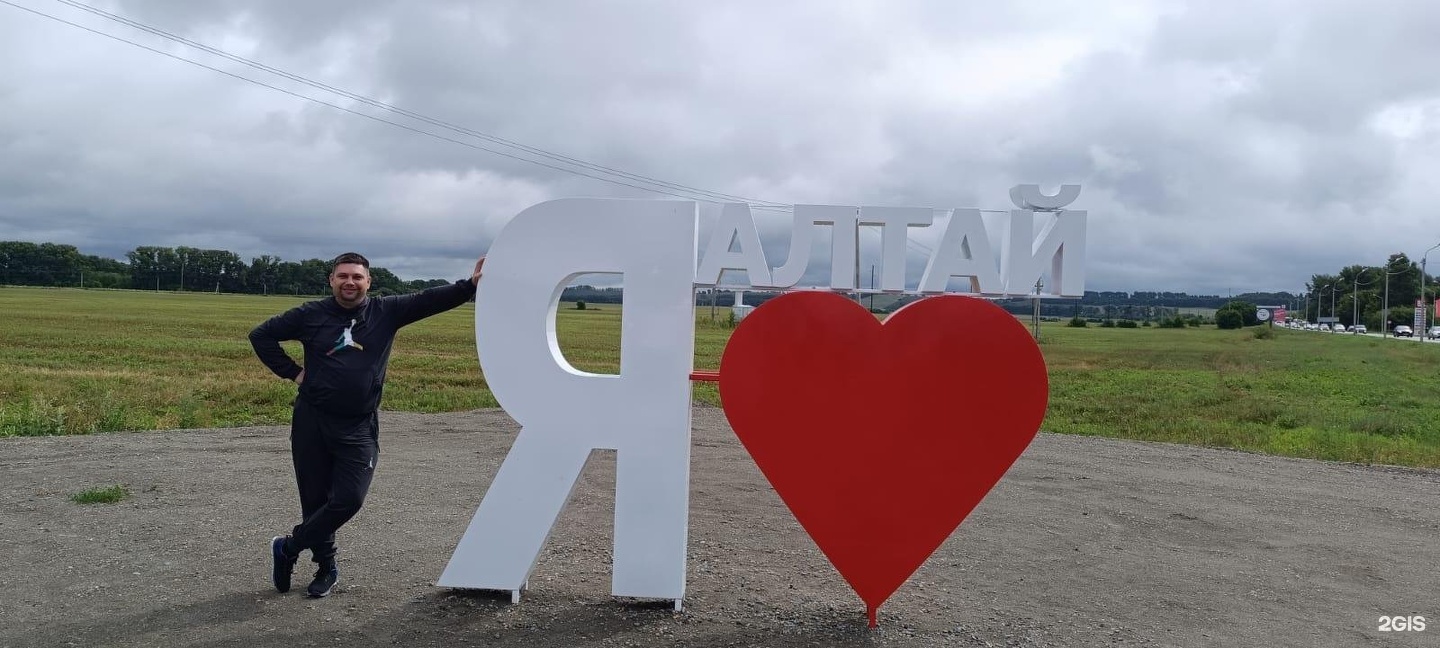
417	285
1397	288
153	268
106	279
1245	309
96	264
386	283
1229	319
263	274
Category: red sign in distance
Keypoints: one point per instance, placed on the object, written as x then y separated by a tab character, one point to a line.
881	439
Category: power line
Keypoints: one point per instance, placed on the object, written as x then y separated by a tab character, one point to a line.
668	188
357	113
425	118
704	194
768	205
411	114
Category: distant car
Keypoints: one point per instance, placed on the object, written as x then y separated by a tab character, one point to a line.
1434	332
1358	329
1404	331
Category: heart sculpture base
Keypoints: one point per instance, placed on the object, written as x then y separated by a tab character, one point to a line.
881	439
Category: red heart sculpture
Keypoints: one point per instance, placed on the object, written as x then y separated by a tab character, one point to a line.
882	439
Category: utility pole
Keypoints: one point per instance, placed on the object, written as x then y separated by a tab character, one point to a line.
1035	318
858	297
1385	308
1355	302
872	286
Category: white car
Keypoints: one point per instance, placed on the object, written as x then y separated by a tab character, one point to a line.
1359	329
1434	332
1403	331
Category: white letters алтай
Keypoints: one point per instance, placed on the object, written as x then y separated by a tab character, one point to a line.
965	251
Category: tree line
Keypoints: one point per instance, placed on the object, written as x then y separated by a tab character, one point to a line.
194	269
150	267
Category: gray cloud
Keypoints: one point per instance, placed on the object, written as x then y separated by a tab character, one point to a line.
1223	146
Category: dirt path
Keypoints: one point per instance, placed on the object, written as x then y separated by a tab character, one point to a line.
1086	542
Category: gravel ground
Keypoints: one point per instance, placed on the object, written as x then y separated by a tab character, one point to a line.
1086	542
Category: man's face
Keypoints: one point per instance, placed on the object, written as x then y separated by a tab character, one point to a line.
350	282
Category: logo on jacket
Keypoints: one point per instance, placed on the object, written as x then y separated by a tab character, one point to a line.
345	340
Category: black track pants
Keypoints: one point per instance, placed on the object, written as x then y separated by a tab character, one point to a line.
335	459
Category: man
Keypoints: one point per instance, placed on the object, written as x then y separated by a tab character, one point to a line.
335	427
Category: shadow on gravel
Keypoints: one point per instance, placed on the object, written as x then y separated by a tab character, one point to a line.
455	617
461	617
170	626
464	618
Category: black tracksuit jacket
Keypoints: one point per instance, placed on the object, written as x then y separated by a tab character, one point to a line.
345	377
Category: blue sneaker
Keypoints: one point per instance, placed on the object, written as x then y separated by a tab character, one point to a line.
282	564
325	579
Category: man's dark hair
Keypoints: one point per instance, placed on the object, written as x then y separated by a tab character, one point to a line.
349	257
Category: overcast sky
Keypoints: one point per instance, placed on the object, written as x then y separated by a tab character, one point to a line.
1221	146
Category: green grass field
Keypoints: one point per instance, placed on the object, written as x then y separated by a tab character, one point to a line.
76	362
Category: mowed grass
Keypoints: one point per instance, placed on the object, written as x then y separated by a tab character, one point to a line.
1300	394
75	362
